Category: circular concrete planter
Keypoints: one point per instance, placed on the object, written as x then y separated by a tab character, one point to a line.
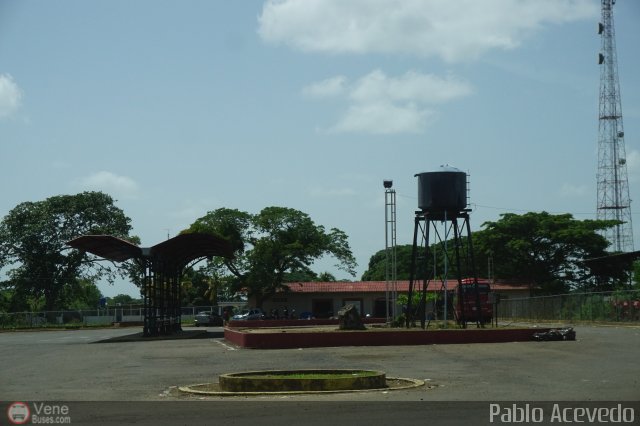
302	380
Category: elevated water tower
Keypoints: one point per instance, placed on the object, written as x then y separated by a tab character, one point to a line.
443	204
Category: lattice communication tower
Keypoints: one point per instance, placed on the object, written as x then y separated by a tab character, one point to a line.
613	185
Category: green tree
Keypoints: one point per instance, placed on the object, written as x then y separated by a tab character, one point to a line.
326	277
5	300
81	294
33	238
123	299
636	274
270	246
203	286
544	249
300	275
377	264
540	248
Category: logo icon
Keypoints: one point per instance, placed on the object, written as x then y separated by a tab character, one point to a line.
18	413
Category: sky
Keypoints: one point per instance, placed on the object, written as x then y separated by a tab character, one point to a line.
179	108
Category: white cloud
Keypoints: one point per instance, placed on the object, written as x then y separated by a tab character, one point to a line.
452	30
10	95
111	183
380	104
326	88
384	118
412	86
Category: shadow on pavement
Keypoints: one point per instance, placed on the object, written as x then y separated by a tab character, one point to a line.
189	334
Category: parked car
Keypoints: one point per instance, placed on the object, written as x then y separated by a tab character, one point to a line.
249	314
306	316
208	319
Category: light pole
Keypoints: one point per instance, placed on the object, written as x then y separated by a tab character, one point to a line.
390	249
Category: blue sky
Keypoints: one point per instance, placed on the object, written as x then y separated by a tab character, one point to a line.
179	108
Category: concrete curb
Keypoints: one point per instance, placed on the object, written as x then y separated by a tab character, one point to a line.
284	380
408	384
300	338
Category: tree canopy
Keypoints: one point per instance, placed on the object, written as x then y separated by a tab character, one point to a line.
123	299
33	238
271	246
545	249
539	248
377	264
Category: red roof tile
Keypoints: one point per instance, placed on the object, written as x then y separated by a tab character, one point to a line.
381	286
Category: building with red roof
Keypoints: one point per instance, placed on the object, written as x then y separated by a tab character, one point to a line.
324	299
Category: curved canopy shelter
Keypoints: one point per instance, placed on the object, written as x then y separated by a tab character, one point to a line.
162	266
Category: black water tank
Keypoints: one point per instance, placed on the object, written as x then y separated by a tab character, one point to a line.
442	190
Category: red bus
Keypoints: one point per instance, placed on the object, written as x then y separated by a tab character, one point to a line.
466	302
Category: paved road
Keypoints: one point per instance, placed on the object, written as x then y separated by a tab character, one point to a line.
70	366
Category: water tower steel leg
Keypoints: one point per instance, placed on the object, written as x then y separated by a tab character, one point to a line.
412	272
425	278
474	272
461	295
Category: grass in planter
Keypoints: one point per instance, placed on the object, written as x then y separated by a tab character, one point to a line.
299	375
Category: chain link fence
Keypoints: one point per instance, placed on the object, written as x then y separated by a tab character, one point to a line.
84	318
618	306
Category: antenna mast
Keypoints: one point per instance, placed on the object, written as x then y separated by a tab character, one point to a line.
613	185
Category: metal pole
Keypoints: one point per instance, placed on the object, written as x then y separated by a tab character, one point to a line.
446	295
386	254
394	257
461	294
412	271
391	274
472	261
425	276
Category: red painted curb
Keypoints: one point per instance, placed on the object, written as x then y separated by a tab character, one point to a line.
294	322
287	339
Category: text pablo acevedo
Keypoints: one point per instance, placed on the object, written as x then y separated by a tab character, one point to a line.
560	413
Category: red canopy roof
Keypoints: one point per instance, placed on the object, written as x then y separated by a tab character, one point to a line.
107	246
178	251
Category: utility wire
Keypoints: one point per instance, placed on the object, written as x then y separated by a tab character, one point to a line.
510	209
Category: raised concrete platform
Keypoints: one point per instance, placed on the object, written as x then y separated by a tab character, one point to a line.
296	322
309	337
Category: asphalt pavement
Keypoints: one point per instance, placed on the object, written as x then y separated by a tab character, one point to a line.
70	366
